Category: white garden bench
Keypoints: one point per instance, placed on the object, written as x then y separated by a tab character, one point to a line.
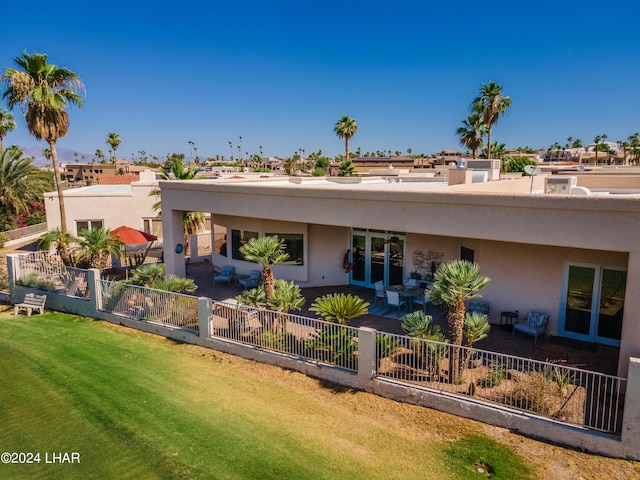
31	302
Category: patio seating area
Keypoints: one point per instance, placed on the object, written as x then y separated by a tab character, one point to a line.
599	358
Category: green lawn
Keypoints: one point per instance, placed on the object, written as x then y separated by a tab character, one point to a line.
138	406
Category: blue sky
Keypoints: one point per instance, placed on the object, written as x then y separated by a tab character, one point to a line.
281	73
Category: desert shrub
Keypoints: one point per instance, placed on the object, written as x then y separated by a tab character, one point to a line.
494	377
535	392
4	238
32	280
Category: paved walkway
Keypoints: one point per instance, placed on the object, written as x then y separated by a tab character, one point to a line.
580	354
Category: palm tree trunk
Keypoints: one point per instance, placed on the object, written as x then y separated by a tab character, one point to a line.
56	176
269	283
455	319
488	143
346	147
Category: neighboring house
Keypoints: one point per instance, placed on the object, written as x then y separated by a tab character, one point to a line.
576	257
90	173
108	206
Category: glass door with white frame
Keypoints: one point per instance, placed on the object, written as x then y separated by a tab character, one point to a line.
376	258
593	303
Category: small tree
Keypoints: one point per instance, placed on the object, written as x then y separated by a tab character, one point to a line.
62	241
265	251
96	245
454	283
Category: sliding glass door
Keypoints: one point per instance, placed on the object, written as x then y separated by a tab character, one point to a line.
376	256
593	303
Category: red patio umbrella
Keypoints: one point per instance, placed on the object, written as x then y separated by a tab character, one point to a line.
131	236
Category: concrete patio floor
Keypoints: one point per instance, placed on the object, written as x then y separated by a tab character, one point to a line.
599	358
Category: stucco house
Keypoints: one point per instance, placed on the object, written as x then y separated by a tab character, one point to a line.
108	206
574	256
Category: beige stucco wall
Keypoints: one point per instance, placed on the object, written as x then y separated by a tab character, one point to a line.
523	278
114	209
322	250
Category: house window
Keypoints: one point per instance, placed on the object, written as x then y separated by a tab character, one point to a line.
87	225
239	238
152	226
468	254
293	245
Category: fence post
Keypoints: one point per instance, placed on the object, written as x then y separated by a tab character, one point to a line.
95	292
205	309
631	420
12	272
367	362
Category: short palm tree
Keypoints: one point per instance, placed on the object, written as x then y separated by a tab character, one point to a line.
6	125
491	104
429	354
339	308
454	283
45	90
63	242
265	251
96	245
21	182
114	140
471	132
346	128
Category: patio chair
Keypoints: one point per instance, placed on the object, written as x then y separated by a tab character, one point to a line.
535	325
423	300
253	280
394	300
379	292
226	275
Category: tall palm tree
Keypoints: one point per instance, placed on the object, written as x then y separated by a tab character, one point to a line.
491	103
471	132
45	90
46	152
21	182
454	283
114	140
346	128
6	125
265	251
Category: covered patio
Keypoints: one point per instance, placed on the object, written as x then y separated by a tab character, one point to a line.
589	356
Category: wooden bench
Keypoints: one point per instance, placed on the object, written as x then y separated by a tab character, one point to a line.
31	302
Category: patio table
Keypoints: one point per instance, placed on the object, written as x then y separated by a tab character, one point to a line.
408	293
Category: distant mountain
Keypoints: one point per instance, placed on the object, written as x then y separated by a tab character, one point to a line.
65	155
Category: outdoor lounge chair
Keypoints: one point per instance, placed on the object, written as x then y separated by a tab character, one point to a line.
253	280
226	275
535	325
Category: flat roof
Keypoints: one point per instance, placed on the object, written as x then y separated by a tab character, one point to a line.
99	190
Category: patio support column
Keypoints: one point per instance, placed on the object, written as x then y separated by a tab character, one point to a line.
366	355
630	338
13	273
205	309
631	421
173	236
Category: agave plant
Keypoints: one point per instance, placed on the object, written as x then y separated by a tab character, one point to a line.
339	308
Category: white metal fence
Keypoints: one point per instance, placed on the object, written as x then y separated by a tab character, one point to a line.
151	305
590	399
47	272
304	337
